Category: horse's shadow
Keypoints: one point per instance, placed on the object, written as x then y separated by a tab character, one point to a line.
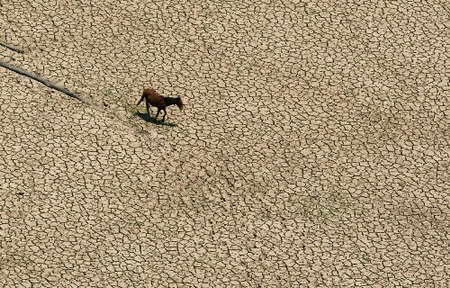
151	119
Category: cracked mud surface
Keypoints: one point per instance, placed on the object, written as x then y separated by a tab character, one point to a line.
313	150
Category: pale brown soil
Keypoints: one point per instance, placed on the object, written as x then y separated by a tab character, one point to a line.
313	151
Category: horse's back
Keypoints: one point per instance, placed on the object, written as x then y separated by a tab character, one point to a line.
153	97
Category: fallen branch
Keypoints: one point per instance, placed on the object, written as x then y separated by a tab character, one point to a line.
39	79
12	48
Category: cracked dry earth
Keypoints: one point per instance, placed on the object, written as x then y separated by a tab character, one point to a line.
313	150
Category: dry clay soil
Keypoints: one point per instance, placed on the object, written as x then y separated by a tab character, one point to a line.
313	150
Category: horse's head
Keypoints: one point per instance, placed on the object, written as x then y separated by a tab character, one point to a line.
179	103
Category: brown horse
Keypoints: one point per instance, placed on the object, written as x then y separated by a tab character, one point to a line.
152	98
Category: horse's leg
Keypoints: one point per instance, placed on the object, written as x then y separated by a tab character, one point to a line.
157	113
149	110
164	117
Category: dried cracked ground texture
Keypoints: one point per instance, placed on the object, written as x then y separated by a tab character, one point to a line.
313	151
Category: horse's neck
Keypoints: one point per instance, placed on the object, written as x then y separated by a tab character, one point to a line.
169	101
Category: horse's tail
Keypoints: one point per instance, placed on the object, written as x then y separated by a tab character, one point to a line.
140	100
